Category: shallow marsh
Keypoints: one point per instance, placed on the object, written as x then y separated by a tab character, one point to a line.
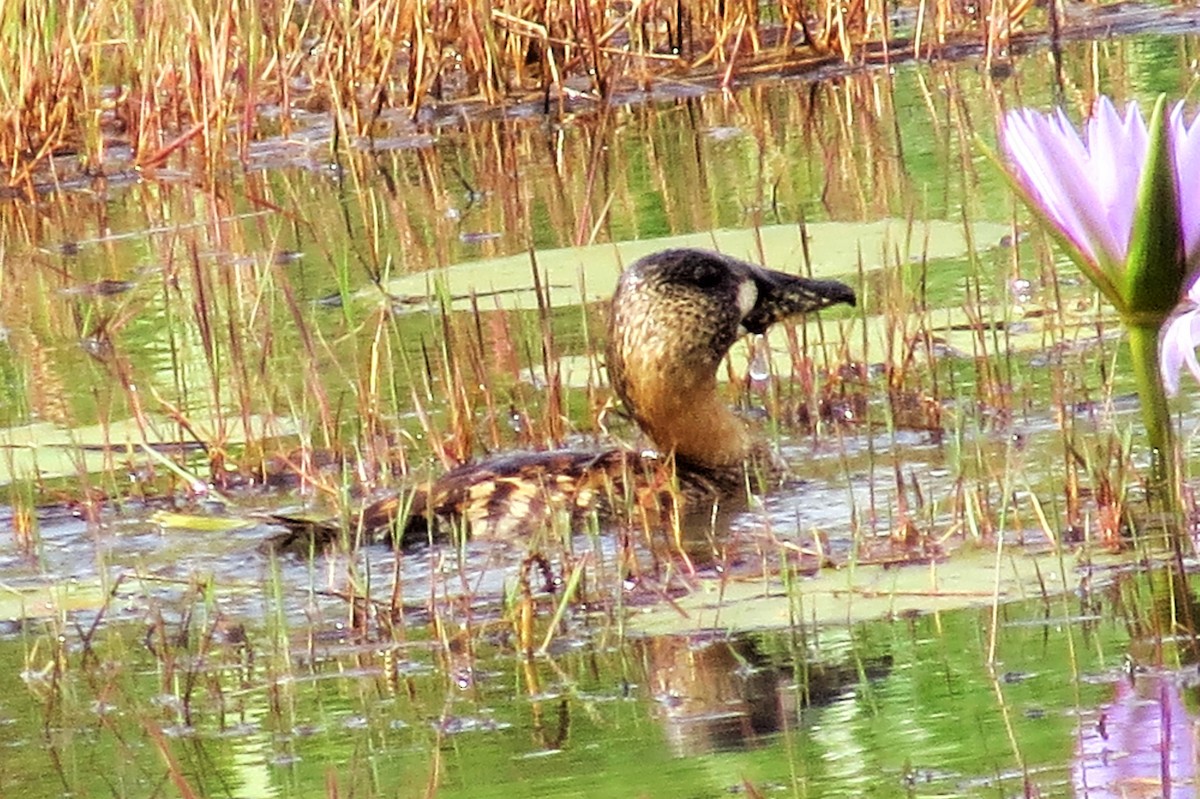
932	609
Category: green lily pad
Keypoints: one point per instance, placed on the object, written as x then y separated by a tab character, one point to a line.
169	520
953	333
970	578
50	600
46	451
584	274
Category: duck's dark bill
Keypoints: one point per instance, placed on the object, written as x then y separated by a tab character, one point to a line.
781	296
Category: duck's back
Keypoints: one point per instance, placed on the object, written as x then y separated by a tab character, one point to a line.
522	494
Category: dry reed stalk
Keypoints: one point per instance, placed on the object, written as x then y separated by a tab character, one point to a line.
184	81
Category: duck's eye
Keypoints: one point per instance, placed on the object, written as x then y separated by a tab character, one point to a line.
707	278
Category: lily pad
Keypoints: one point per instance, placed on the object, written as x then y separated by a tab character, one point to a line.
584	274
46	451
169	520
50	600
953	332
971	578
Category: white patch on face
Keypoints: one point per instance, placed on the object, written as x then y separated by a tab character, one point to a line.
747	295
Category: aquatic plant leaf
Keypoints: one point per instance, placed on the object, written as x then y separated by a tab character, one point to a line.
587	274
168	520
954	332
45	451
866	592
43	601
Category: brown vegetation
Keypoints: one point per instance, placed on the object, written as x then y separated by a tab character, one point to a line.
104	80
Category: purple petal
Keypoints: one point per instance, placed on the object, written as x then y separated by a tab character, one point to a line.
1044	152
1116	157
1186	141
1042	155
1089	189
1177	346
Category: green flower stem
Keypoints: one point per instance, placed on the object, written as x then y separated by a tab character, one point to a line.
1156	415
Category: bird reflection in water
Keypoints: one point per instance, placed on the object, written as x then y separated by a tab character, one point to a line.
723	693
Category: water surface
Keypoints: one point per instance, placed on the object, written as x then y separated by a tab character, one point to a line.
307	317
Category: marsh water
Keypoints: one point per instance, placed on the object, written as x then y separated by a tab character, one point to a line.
948	600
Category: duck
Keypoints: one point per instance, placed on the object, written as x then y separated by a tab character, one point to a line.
673	318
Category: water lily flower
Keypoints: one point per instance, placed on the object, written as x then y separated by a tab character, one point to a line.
1180	337
1186	139
1088	188
1112	198
1181	334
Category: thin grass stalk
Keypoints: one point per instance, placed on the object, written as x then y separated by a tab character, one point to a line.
77	66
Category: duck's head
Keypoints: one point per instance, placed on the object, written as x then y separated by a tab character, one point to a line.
675	314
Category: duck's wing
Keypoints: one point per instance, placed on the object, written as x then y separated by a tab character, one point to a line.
510	495
521	492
